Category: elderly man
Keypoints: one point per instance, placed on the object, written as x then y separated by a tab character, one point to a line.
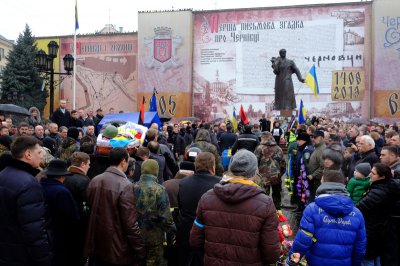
366	154
39	132
353	133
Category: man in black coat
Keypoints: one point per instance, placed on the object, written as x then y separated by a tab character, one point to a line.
191	189
61	115
77	184
366	154
23	237
227	139
247	140
154	148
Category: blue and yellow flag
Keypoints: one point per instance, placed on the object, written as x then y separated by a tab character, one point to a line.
302	113
76	16
312	81
234	121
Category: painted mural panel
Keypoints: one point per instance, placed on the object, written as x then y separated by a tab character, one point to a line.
233	52
386	78
106	72
165	60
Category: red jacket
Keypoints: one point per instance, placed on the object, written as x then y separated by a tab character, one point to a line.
236	224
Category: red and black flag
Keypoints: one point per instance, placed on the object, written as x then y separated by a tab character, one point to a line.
141	114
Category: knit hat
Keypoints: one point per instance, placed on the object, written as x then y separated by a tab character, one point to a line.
303	136
150	166
364	169
73	132
243	163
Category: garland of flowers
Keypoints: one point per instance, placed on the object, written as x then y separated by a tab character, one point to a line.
289	180
302	184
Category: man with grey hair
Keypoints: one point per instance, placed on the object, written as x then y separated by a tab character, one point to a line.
365	154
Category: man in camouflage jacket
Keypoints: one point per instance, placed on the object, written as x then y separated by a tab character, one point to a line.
154	217
271	166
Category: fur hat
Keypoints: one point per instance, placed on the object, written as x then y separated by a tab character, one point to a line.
364	169
318	133
150	167
244	163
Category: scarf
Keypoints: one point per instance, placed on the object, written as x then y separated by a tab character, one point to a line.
237	180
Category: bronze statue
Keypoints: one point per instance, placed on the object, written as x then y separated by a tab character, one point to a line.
284	91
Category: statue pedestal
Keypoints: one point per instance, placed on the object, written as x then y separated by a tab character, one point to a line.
286	113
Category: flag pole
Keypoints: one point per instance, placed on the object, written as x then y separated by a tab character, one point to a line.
74	81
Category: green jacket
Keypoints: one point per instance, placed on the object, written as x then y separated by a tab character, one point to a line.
154	216
357	187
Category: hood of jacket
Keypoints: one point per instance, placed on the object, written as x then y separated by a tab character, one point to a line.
203	135
334	199
38	118
67	142
235	193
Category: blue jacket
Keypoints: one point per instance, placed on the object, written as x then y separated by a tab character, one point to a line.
332	231
23	238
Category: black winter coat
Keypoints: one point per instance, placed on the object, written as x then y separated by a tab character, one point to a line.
377	207
60	118
227	140
191	189
368	157
62	214
23	237
246	141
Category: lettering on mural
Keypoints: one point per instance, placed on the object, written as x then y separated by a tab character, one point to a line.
347	85
318	59
392	34
393	103
238	31
167	104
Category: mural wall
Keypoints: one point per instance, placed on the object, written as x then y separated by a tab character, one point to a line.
386	51
106	72
233	51
165	60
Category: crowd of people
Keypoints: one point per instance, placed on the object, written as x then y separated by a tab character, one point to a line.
197	193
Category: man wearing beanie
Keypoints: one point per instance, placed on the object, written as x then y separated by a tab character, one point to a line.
113	235
154	216
236	219
360	183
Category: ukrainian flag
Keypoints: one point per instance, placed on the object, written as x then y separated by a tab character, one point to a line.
234	121
76	16
312	81
302	113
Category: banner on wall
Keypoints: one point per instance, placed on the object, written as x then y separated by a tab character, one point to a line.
106	72
233	52
386	55
165	60
387	103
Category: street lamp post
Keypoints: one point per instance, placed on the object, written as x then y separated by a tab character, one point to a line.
45	64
